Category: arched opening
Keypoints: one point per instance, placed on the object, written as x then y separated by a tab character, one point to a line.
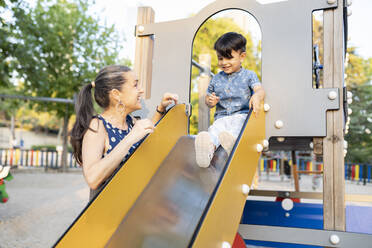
205	58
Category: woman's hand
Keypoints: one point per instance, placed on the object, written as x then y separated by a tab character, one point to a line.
168	98
140	129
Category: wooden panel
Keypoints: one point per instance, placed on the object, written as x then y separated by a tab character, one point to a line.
338	121
333	178
144	52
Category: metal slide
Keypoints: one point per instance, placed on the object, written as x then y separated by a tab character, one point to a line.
182	205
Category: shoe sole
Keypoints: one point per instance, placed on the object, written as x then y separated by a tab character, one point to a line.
202	145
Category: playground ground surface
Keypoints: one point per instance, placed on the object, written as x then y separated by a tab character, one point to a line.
42	205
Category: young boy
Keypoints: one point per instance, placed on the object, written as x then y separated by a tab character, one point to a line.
231	92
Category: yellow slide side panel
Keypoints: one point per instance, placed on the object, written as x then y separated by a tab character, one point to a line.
222	220
100	220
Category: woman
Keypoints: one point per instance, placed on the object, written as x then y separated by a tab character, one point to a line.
101	143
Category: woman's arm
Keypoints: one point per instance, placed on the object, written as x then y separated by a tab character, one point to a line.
97	169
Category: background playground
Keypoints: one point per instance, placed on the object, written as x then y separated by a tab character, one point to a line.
32	131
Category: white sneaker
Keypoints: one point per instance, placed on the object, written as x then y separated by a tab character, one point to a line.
204	149
227	141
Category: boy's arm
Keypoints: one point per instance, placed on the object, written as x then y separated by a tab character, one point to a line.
256	99
259	91
210	98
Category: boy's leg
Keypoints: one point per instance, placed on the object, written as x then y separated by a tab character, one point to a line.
227	141
204	149
233	125
206	143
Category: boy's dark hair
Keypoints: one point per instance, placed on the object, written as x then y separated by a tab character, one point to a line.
228	42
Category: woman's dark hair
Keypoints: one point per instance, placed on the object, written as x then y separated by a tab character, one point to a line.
108	78
229	42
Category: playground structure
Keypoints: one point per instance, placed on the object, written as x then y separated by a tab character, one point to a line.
160	198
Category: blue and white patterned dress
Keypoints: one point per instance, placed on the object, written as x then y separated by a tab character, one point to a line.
115	135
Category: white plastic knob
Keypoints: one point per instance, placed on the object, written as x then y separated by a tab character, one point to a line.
350	101
266	107
345	144
265	143
141	29
331	1
349	111
332	95
245	189
311	145
345	152
279	124
287	204
349	2
349	94
334	239
259	148
226	244
349	12
280	139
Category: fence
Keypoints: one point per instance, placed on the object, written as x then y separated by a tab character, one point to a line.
35	158
353	172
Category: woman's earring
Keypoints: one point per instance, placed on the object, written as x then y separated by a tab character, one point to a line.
120	107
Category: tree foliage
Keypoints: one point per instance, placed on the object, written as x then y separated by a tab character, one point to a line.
60	47
359	76
6	47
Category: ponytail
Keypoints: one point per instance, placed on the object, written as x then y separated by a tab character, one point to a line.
108	78
84	113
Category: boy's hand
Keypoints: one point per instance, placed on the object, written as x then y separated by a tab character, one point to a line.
255	104
257	99
212	100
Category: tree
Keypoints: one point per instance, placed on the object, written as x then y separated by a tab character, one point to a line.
359	76
6	47
60	47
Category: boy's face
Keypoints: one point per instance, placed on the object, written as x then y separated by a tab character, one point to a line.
231	65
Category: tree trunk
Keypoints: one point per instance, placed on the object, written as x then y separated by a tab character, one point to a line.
12	131
64	165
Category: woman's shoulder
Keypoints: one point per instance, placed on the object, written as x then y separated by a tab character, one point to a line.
96	124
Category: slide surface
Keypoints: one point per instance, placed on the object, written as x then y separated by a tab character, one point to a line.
101	217
180	205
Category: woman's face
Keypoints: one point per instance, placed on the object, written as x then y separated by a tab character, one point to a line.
130	94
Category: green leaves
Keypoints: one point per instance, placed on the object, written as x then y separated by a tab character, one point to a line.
60	46
359	137
359	76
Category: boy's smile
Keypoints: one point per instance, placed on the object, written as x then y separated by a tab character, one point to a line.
233	64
